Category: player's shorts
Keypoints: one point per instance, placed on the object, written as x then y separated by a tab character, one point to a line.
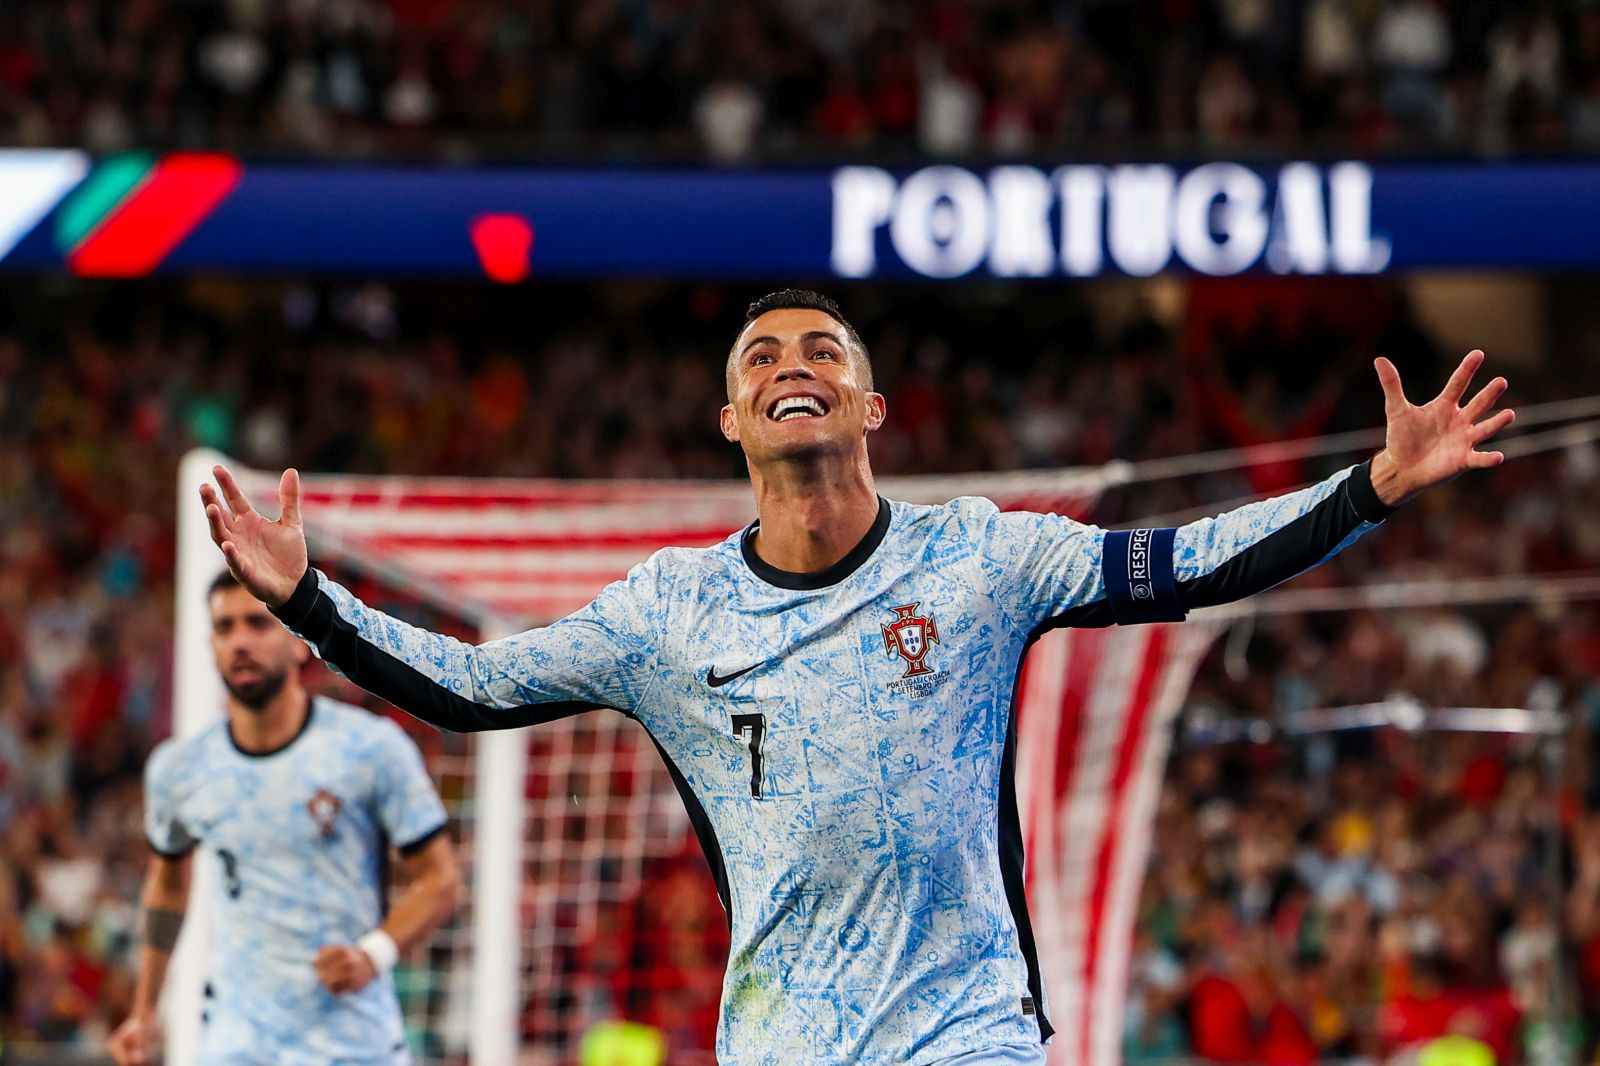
1004	1055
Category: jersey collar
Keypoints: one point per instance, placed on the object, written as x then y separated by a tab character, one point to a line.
305	724
817	579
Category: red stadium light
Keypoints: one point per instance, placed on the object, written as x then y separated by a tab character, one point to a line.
504	244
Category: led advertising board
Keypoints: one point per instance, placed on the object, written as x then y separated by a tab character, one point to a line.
131	215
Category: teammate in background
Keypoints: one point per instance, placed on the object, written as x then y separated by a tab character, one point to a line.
832	687
299	798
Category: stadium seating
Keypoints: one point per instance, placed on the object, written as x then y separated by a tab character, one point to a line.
784	78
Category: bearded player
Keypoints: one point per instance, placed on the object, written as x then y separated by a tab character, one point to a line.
832	687
299	798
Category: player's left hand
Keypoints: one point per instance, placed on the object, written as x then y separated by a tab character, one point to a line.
1427	445
343	968
136	1040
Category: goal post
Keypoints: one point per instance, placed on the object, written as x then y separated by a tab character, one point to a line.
197	702
502	770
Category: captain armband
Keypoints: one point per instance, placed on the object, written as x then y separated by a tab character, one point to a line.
1140	586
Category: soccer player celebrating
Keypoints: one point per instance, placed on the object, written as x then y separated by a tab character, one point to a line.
299	798
831	688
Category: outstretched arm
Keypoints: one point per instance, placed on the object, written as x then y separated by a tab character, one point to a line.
1077	575
602	656
1263	544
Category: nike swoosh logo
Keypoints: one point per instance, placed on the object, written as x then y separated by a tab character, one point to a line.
716	680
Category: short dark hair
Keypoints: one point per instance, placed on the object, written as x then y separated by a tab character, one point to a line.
222	583
807	300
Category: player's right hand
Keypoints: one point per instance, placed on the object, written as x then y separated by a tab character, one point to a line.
267	557
135	1041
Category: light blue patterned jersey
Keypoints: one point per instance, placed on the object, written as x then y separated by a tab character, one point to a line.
843	740
302	840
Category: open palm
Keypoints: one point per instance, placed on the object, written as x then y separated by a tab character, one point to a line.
267	556
1433	442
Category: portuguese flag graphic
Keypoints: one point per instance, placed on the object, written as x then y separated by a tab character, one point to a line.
133	210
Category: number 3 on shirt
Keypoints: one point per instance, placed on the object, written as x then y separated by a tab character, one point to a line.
230	872
753	729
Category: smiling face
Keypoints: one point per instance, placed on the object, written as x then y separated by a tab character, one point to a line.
254	653
797	386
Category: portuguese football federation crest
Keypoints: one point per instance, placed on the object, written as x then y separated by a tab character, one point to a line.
325	807
910	636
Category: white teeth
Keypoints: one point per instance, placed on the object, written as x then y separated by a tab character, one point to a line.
796	407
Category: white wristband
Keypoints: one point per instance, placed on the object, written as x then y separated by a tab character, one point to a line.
381	949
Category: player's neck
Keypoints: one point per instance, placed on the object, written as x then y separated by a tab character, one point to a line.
274	726
813	514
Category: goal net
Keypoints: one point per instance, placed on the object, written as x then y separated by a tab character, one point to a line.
588	899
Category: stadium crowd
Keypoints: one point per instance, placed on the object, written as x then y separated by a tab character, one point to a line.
788	78
1306	898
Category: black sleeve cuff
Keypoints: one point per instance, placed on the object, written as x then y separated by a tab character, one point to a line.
1363	497
408	850
294	610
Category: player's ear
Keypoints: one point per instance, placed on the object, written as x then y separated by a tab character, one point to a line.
877	410
730	425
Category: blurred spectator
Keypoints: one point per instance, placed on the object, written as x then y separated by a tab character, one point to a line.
1412	48
510	77
728	118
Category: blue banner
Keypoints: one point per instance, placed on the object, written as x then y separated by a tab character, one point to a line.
936	222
